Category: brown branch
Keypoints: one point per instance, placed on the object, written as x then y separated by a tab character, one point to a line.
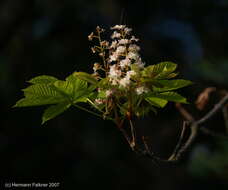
194	126
179	142
206	131
184	148
180	148
216	108
185	113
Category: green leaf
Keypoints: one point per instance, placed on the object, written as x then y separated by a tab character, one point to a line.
103	83
46	90
169	96
38	101
173	97
159	71
168	85
81	91
171	75
75	89
41	90
86	77
102	94
65	88
157	102
40	94
54	110
43	79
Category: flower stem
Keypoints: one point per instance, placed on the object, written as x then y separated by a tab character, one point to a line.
89	111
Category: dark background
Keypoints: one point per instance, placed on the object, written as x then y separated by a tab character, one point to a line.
79	150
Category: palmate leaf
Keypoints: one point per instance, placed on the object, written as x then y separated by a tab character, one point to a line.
168	85
160	71
46	90
38	101
80	87
173	97
86	77
64	88
40	94
157	102
168	96
41	90
43	79
54	110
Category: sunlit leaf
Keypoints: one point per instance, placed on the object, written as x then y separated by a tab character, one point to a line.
168	85
86	77
43	79
159	71
54	110
41	90
38	101
157	102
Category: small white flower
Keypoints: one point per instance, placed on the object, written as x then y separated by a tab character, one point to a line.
108	93
133	48
123	41
118	27
132	55
124	82
133	38
129	74
105	43
115	35
114	44
125	63
139	63
99	101
114	81
96	66
113	57
127	30
114	72
91	36
120	50
140	90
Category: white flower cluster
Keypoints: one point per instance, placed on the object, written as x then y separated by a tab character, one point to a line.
123	53
121	61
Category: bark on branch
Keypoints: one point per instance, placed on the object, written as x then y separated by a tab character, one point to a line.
192	124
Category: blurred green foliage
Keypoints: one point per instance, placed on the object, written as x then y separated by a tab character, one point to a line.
205	163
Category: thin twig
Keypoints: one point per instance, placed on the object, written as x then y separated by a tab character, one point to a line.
184	148
145	144
133	143
179	142
89	111
185	113
225	115
194	127
125	135
216	108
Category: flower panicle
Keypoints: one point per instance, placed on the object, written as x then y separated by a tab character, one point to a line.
120	55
